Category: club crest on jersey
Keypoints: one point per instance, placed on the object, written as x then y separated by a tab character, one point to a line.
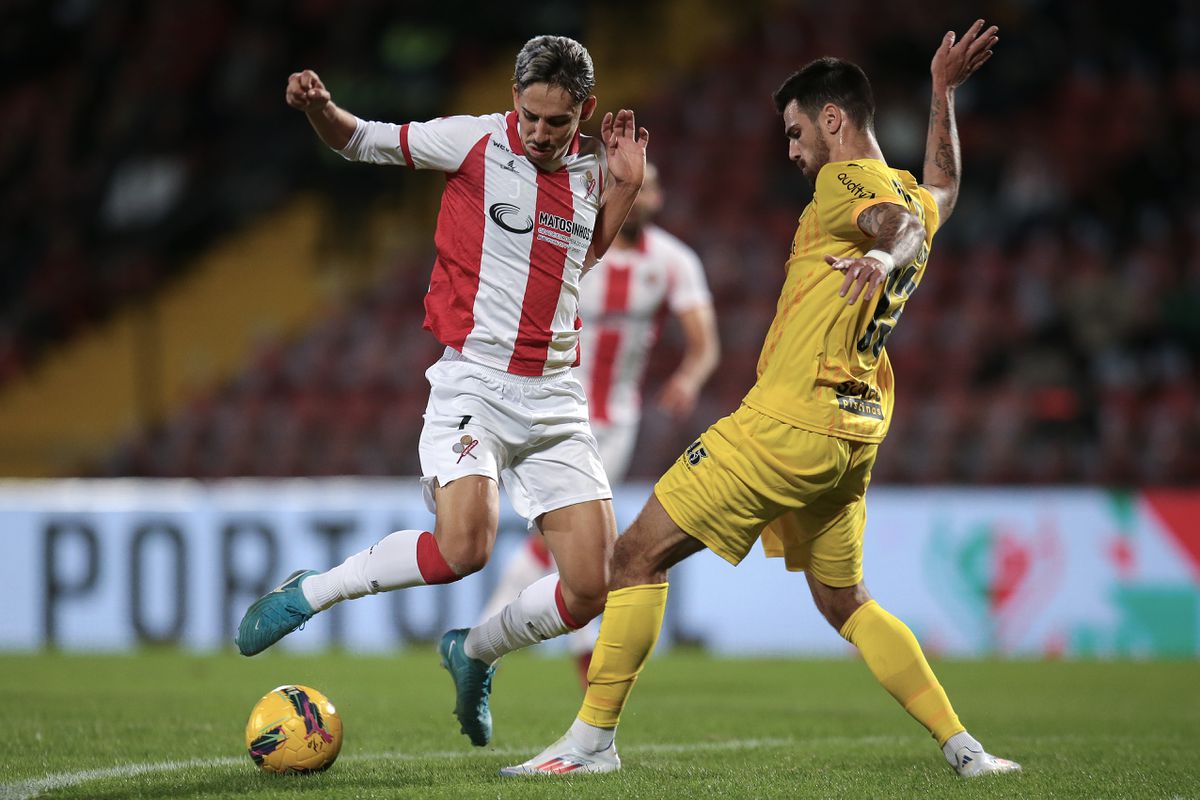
502	213
695	452
464	446
589	183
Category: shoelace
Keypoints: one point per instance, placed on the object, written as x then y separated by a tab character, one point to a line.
287	614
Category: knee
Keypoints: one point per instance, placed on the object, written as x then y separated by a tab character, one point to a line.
466	554
837	605
585	599
623	569
633	566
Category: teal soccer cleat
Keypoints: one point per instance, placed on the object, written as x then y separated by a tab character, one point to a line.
274	615
472	685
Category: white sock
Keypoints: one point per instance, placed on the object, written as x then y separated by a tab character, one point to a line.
388	564
523	569
533	617
958	740
590	737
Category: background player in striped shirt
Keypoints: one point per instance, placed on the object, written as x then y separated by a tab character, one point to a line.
528	204
645	275
791	466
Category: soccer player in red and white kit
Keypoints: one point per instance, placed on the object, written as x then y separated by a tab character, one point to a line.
646	274
528	204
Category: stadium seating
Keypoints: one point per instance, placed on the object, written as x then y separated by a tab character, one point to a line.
1053	340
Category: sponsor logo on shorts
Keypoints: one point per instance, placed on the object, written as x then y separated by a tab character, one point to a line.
861	407
695	452
464	446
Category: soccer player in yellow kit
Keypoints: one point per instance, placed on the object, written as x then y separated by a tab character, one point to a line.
792	464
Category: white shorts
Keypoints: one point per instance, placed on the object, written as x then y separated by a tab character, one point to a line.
616	441
530	435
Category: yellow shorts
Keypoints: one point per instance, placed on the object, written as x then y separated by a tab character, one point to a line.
750	475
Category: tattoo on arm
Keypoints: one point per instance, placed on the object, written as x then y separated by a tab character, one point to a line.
895	230
870	221
942	161
945	160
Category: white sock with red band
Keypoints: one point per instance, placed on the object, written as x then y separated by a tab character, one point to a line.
524	568
399	560
536	615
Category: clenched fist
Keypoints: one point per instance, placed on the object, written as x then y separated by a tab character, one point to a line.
306	92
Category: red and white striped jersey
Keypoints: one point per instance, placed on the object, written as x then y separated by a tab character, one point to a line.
625	297
511	239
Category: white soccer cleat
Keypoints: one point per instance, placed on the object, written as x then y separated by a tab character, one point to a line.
970	763
567	757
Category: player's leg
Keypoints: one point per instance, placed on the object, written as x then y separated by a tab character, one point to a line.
461	450
894	656
707	499
580	537
632	620
465	530
527	564
825	540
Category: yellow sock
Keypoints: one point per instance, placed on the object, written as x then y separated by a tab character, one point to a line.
895	659
632	619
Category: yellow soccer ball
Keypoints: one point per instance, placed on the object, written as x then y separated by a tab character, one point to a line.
294	729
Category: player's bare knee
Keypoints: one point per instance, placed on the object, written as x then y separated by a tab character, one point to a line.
632	565
466	554
838	603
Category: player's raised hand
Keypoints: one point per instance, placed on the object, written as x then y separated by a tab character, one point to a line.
306	92
954	62
863	277
626	145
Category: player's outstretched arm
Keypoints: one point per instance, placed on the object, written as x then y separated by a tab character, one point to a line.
307	93
626	147
953	63
897	235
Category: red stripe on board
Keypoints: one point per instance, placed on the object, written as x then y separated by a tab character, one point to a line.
547	260
604	367
1178	510
404	146
450	302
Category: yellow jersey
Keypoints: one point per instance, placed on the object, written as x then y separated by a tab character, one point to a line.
823	365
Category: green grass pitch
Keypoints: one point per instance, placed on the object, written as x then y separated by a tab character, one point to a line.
169	724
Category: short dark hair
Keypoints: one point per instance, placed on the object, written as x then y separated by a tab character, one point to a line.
830	80
557	61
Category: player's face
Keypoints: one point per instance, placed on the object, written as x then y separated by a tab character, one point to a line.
807	147
547	119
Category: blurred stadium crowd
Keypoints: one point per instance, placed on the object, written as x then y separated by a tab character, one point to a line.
1055	338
